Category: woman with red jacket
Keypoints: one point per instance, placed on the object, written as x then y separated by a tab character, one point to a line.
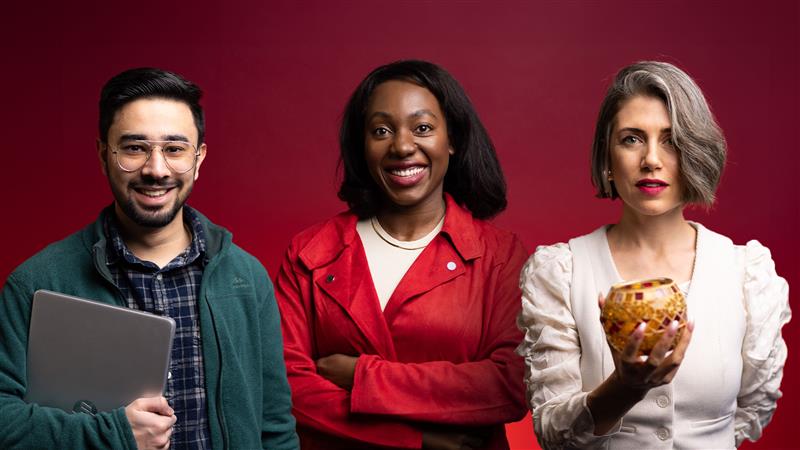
399	314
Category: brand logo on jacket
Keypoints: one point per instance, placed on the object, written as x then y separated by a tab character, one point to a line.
239	282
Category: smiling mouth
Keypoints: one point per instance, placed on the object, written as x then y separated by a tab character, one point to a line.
153	193
407	172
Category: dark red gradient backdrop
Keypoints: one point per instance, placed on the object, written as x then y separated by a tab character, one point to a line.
277	75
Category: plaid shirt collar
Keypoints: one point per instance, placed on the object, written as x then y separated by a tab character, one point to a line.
118	251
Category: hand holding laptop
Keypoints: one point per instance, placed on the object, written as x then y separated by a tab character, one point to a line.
151	421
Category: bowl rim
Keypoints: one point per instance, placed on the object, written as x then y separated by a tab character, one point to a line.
626	285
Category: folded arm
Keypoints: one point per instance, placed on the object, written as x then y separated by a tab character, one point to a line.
485	391
317	402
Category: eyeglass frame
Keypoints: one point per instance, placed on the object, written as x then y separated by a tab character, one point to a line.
151	147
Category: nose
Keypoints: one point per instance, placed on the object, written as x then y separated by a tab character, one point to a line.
156	164
403	145
651	160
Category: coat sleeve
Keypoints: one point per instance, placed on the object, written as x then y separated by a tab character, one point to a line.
25	425
278	424
485	391
318	403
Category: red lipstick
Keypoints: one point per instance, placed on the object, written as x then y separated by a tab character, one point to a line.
405	174
651	186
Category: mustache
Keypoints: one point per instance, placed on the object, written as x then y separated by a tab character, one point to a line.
150	182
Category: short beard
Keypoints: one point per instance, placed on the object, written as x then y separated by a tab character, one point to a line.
155	220
151	221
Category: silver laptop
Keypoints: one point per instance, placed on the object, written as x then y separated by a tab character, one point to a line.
86	356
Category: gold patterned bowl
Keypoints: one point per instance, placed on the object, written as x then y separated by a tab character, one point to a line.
656	302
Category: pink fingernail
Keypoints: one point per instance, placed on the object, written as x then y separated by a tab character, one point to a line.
673	328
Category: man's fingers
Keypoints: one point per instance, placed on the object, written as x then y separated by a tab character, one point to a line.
162	424
157	405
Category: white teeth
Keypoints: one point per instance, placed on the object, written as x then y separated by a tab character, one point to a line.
154	193
411	171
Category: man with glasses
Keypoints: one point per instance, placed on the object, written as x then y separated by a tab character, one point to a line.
227	386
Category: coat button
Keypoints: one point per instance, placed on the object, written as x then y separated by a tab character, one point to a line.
451	266
330	278
662	401
662	434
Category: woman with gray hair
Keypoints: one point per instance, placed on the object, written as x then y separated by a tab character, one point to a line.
657	148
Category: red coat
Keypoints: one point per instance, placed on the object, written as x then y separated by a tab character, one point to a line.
442	351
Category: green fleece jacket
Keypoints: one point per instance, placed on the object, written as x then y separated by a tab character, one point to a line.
249	402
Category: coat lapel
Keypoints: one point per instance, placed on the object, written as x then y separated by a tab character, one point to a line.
340	271
436	265
444	259
348	283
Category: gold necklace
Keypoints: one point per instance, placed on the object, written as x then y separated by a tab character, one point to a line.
380	232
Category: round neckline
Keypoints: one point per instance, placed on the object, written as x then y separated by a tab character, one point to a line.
417	244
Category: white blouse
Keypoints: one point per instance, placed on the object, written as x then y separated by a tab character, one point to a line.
728	384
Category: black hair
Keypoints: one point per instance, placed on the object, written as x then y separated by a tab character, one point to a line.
147	82
474	178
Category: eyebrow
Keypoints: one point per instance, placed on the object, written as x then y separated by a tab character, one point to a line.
638	130
142	137
415	114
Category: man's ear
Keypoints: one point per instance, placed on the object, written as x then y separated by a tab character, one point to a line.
200	158
102	153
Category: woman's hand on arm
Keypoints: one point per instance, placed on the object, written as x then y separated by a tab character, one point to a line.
338	369
452	440
635	375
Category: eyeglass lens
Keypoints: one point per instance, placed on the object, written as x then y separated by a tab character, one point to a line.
179	156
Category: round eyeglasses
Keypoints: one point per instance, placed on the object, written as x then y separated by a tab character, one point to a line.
180	156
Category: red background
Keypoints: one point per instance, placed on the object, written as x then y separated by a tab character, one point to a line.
277	76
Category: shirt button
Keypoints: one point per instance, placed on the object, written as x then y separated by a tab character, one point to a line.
662	434
158	277
451	266
662	401
169	375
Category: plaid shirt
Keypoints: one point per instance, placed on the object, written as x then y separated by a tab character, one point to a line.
171	291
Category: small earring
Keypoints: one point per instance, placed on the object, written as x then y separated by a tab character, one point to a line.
608	175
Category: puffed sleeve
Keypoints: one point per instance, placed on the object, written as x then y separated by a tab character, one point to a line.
764	350
552	353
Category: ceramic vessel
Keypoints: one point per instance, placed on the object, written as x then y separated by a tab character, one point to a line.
656	302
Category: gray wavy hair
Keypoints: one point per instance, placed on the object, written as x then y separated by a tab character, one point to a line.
695	132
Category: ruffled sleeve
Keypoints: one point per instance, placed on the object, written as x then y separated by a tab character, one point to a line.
764	350
552	353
